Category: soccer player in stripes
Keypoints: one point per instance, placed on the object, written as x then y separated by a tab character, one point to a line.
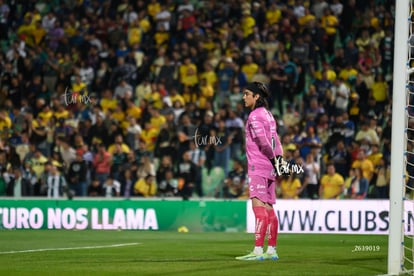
264	158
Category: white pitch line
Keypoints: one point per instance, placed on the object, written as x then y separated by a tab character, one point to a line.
70	248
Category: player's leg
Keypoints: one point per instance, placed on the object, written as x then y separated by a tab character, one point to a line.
258	195
261	224
273	223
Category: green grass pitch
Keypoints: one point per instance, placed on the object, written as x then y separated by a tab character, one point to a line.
88	252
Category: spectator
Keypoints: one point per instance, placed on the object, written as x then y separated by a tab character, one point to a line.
176	99
341	158
235	181
332	184
28	179
312	171
146	166
206	93
38	162
291	116
157	119
121	89
221	142
166	164
330	23
387	48
129	15
336	132
56	183
7	175
348	73
119	145
55	35
39	134
235	98
98	132
188	74
354	109
17	184
111	187
322	127
198	157
185	132
225	74
314	109
133	131
163	18
290	187
146	186
382	179
375	155
168	186
235	125
127	183
367	134
77	173
365	164
186	174
124	70
15	91
349	132
67	152
249	67
134	111
108	101
102	164
95	188
379	90
23	148
308	142
4	20
149	136
318	7
340	95
359	185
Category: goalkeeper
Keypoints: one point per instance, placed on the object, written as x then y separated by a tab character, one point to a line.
264	159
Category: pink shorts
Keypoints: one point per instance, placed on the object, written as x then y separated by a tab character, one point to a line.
262	188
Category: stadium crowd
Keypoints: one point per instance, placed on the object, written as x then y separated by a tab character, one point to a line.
144	98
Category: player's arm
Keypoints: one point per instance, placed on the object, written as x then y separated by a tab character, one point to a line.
265	146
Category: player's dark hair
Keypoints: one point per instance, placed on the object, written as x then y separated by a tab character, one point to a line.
262	90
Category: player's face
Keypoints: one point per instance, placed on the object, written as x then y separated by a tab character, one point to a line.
249	99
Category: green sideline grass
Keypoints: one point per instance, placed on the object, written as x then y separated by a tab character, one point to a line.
173	253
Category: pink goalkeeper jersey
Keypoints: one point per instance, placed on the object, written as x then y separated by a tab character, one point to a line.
261	133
